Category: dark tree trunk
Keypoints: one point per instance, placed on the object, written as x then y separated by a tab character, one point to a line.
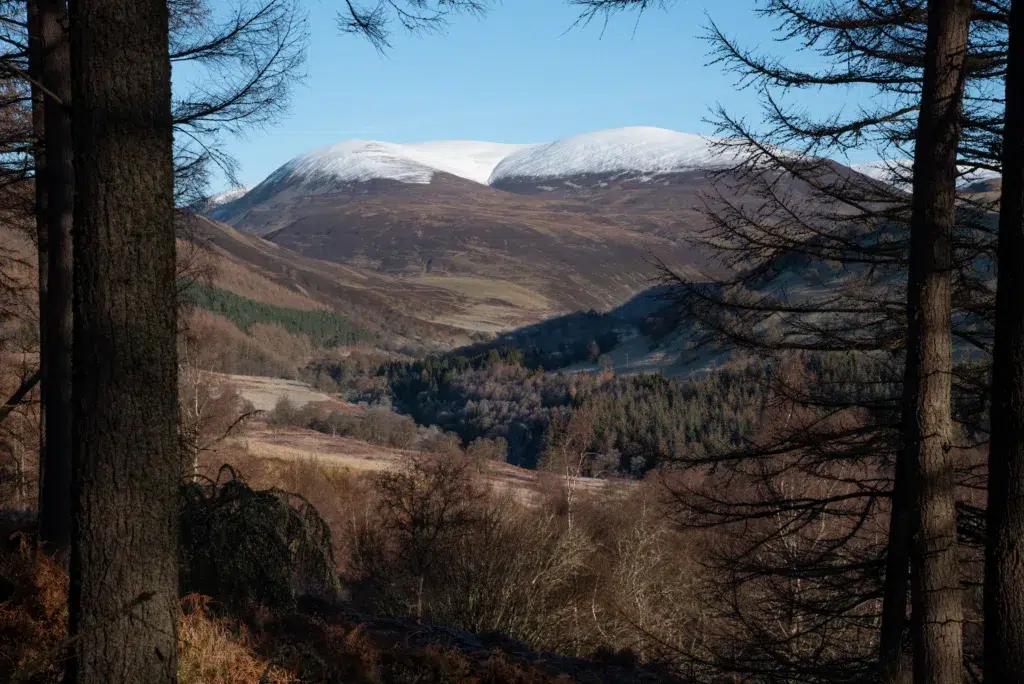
896	665
1004	562
928	429
35	58
57	180
124	570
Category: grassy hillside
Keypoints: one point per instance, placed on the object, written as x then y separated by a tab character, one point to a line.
323	327
401	312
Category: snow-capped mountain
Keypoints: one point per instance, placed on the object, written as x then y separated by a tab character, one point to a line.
634	153
481	234
356	161
573	220
898	172
637	150
549	227
229	195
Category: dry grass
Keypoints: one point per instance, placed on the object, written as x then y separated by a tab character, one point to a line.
216	650
487	317
300	445
294	445
33	614
490	288
264	393
236	277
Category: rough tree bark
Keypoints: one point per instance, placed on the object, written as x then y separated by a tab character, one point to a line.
35	58
1004	555
57	179
928	429
124	571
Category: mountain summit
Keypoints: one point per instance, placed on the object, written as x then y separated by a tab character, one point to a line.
636	150
515	233
366	160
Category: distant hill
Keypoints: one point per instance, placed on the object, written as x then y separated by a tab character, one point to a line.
256	269
486	237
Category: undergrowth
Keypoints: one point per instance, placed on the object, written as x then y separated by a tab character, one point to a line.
264	625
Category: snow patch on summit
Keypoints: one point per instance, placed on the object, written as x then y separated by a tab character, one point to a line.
899	172
229	195
635	149
366	160
468	159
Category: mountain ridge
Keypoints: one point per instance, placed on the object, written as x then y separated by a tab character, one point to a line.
572	225
631	149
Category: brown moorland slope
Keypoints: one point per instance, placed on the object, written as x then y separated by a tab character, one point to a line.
490	257
261	270
569	253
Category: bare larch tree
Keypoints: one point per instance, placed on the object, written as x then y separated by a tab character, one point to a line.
852	237
927	381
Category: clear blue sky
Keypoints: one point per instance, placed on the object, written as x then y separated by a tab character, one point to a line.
515	76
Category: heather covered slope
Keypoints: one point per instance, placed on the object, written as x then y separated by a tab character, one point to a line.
382	305
568	254
551	229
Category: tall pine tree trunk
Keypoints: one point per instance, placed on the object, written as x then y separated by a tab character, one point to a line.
57	178
124	571
1004	553
928	429
35	58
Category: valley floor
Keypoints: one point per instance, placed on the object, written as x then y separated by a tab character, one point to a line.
294	444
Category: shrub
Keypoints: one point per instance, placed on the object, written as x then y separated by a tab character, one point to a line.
285	412
481	450
443	549
441	443
384	426
242	545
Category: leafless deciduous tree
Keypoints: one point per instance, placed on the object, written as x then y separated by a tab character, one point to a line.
242	61
810	274
375	21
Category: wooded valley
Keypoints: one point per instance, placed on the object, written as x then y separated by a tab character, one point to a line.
749	412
